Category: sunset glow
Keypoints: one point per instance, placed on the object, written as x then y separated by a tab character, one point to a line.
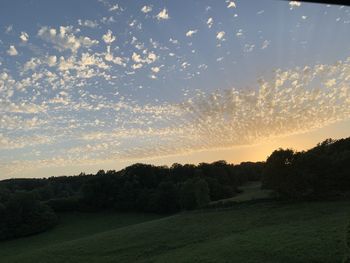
89	85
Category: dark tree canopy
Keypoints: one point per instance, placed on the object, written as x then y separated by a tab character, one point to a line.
319	173
27	205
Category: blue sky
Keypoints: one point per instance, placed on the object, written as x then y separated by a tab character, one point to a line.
101	84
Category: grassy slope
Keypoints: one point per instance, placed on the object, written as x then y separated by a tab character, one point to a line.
250	191
72	226
268	232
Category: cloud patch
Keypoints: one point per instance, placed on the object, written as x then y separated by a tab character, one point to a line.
146	9
220	35
108	38
163	15
64	38
12	51
190	33
24	36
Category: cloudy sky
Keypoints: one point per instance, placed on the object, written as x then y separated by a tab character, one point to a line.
97	84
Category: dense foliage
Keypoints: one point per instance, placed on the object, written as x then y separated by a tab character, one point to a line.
22	215
26	204
319	173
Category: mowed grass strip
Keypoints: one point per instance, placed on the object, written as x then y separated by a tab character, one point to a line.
265	232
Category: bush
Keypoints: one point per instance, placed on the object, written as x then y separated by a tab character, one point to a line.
23	215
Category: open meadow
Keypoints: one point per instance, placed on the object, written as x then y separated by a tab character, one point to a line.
262	232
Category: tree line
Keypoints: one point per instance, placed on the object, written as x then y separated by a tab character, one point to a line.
137	188
29	206
322	172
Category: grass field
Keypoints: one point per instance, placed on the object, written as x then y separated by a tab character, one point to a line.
250	191
265	232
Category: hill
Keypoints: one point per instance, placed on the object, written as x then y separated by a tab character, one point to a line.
264	232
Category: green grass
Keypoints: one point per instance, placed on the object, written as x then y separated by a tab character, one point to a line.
264	232
72	226
250	191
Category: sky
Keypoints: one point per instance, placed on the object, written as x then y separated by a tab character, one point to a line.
101	84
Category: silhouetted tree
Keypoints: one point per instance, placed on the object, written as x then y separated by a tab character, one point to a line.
23	216
167	200
201	192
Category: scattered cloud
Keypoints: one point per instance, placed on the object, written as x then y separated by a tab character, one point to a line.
210	22
294	4
231	4
155	69
239	33
67	100
163	15
108	38
12	51
220	35
24	36
285	105
114	7
64	38
190	33
265	44
248	48
88	23
146	9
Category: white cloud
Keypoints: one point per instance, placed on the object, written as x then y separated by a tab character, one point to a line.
119	61
287	104
24	36
108	38
107	20
51	61
185	65
21	142
210	22
239	33
32	64
114	7
150	58
88	23
65	39
87	42
294	4
137	66
265	44
163	15
116	60
136	57
66	64
191	32
248	48
231	4
12	51
174	41
146	9
155	69
220	35
91	60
